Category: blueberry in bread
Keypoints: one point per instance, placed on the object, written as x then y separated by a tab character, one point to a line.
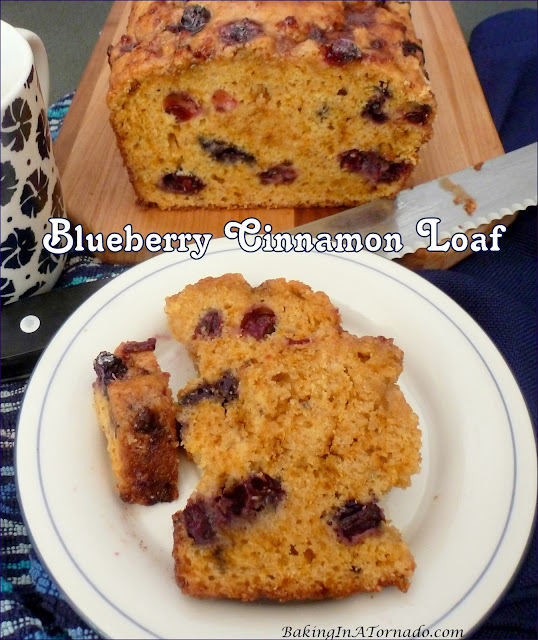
224	321
136	411
299	430
269	104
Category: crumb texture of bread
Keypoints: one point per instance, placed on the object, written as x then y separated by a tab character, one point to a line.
269	104
220	319
137	414
299	429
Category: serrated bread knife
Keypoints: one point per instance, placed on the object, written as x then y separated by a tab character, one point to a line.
461	201
497	188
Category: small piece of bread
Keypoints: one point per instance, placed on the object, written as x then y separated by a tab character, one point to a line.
136	411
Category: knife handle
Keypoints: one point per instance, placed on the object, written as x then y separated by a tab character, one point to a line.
29	325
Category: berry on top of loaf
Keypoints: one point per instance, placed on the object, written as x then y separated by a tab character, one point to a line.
136	411
298	431
269	104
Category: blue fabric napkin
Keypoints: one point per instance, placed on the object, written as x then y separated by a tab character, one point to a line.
497	289
503	49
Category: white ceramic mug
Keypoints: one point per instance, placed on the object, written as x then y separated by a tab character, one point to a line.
31	192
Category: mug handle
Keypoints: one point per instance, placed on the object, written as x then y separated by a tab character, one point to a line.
41	61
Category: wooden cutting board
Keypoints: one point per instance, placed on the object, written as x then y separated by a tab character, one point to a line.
99	196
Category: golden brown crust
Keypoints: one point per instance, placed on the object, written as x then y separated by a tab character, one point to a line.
340	584
137	415
340	76
152	45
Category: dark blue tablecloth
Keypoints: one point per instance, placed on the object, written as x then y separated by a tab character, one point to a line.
497	289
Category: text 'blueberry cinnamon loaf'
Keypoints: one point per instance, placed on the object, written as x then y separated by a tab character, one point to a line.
269	104
137	414
299	429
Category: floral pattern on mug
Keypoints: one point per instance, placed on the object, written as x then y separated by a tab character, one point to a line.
58	209
43	136
18	248
35	193
30	78
48	262
9	182
33	289
7	289
30	195
16	125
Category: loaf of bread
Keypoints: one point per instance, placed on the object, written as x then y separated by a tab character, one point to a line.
136	411
299	429
269	104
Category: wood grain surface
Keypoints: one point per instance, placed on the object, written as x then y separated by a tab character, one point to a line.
99	196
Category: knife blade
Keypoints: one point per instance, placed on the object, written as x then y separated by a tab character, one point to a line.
28	325
497	188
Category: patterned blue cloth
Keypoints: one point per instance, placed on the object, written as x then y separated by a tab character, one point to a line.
498	290
31	605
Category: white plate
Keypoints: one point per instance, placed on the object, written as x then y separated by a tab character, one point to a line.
467	516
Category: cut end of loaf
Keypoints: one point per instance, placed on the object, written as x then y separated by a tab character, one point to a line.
290	117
